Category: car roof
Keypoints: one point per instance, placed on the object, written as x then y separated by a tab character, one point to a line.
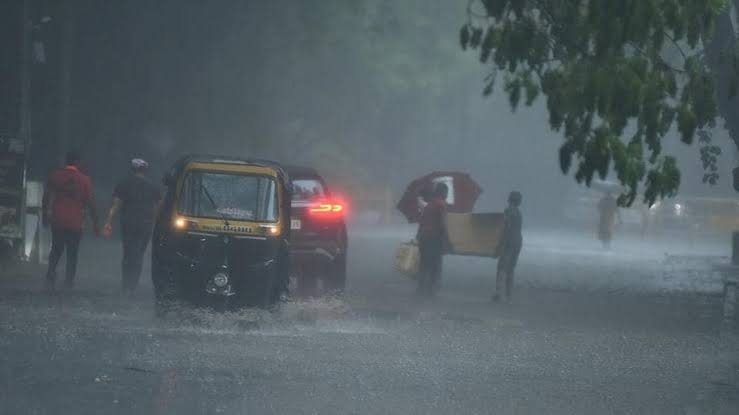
301	171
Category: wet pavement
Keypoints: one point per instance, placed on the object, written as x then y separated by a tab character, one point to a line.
635	330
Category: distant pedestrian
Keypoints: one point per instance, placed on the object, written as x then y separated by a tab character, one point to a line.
137	199
608	213
433	239
68	194
509	247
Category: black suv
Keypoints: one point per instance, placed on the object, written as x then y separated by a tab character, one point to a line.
318	237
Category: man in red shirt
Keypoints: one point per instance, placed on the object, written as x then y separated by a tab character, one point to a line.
67	196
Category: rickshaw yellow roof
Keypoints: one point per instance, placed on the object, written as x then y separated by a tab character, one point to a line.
231	167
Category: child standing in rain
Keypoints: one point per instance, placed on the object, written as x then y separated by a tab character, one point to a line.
509	247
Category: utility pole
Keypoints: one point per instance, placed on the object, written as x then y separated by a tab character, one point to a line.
25	75
24	130
65	91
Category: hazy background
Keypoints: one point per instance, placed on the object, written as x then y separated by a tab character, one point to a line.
372	92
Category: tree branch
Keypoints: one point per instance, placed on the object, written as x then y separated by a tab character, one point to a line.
674	42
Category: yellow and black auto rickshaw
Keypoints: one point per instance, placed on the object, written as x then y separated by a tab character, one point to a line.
221	237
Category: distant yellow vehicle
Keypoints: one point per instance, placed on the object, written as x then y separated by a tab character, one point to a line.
698	214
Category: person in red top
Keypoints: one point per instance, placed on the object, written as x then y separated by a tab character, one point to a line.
433	240
67	196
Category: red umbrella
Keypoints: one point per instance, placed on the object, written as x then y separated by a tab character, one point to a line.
463	193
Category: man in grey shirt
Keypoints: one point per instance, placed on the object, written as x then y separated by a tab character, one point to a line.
137	199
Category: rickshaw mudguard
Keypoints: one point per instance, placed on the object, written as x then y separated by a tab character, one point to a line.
191	260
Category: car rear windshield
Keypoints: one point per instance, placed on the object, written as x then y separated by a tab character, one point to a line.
308	189
229	196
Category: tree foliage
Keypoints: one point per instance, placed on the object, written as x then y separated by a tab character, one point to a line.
617	77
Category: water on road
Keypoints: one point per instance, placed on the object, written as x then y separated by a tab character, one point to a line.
634	330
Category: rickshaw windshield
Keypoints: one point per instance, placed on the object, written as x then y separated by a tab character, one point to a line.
229	196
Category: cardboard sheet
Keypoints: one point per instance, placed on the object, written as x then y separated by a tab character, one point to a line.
475	234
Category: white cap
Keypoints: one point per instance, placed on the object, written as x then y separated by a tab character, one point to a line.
139	164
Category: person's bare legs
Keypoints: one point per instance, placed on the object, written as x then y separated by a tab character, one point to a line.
500	282
57	250
72	242
509	285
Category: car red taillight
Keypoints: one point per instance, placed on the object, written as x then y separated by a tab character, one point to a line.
328	210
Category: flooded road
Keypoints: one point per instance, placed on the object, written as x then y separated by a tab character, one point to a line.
628	331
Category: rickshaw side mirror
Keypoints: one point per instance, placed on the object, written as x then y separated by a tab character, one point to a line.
736	178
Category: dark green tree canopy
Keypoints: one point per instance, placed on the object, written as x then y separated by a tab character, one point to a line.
617	76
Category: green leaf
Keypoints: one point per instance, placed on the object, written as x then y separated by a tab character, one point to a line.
565	158
532	92
487	45
670	83
686	124
488	88
464	36
494	8
513	88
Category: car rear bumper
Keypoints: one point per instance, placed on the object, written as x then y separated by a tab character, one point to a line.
305	254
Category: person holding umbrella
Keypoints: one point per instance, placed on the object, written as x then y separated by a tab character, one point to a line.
426	201
433	239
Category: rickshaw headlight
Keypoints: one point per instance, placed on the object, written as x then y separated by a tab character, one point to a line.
180	223
272	230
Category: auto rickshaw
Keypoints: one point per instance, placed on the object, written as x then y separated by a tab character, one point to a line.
221	238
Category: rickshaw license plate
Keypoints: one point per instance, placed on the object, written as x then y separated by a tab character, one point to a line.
295	224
